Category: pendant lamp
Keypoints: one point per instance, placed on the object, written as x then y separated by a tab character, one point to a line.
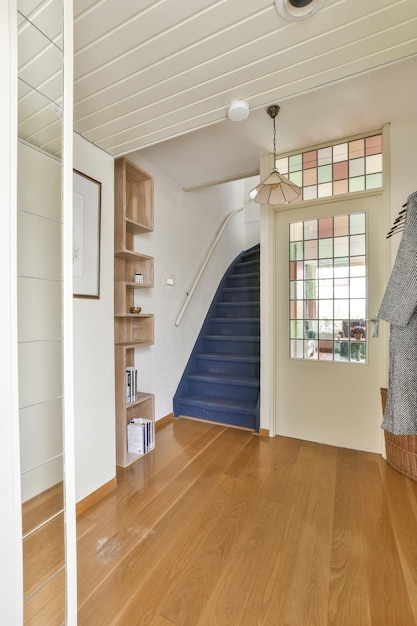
275	189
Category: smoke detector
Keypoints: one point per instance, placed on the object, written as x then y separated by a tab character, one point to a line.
297	9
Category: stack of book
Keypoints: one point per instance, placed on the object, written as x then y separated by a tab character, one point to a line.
140	436
131	385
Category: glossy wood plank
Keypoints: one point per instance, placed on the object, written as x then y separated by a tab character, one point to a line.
218	526
348	597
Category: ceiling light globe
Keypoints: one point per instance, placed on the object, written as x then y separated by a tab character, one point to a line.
238	111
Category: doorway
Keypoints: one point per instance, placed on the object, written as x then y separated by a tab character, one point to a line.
328	351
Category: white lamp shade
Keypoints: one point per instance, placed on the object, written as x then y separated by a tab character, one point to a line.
238	110
275	189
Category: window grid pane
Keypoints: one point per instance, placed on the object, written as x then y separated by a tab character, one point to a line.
345	167
328	290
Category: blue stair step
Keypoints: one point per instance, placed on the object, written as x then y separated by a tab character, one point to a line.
233	326
216	410
243	280
238	344
229	364
240	294
221	386
246	267
237	309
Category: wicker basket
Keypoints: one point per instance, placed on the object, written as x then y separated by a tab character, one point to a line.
401	449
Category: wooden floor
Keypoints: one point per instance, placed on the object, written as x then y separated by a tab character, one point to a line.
220	527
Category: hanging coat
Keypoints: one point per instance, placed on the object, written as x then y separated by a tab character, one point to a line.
399	308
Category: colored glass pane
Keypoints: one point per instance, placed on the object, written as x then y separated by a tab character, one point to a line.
310	269
373	164
325	268
310	177
310	309
325	190
310	249
356	167
373	145
296	270
324	156
295	162
357	223
324	174
340	170
341	267
340	152
357	245
356	148
310	229
310	159
296	231
310	289
340	186
296	251
357	184
341	246
282	165
296	329
341	225
325	248
325	227
373	181
310	193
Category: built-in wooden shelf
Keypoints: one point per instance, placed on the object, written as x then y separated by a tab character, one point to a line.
133	216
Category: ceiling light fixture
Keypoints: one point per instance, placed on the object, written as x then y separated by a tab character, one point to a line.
275	189
297	9
238	110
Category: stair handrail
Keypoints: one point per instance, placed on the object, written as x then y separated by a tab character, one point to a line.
206	260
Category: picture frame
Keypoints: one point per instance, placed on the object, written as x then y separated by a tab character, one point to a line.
86	236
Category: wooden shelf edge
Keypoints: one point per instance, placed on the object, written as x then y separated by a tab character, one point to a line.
143	396
132	255
137	227
133	344
130	315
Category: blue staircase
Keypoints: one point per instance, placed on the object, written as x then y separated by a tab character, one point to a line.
221	380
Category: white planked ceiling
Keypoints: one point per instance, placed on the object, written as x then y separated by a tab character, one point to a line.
158	76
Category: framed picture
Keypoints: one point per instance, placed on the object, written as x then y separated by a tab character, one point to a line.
86	236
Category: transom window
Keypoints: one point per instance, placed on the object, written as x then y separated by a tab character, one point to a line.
327	261
345	167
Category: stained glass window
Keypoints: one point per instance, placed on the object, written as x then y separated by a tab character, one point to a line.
327	260
345	167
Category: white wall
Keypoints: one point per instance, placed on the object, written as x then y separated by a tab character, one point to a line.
94	407
11	523
39	320
185	226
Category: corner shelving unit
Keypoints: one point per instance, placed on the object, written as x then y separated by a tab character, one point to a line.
133	215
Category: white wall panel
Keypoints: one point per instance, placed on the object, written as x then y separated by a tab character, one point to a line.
40	371
39	309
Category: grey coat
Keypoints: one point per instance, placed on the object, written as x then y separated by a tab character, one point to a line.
399	307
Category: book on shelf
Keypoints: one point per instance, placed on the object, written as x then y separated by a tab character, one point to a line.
131	385
140	436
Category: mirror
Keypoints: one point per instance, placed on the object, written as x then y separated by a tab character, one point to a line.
39	284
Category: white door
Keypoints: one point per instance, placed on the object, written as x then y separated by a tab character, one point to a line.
329	359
